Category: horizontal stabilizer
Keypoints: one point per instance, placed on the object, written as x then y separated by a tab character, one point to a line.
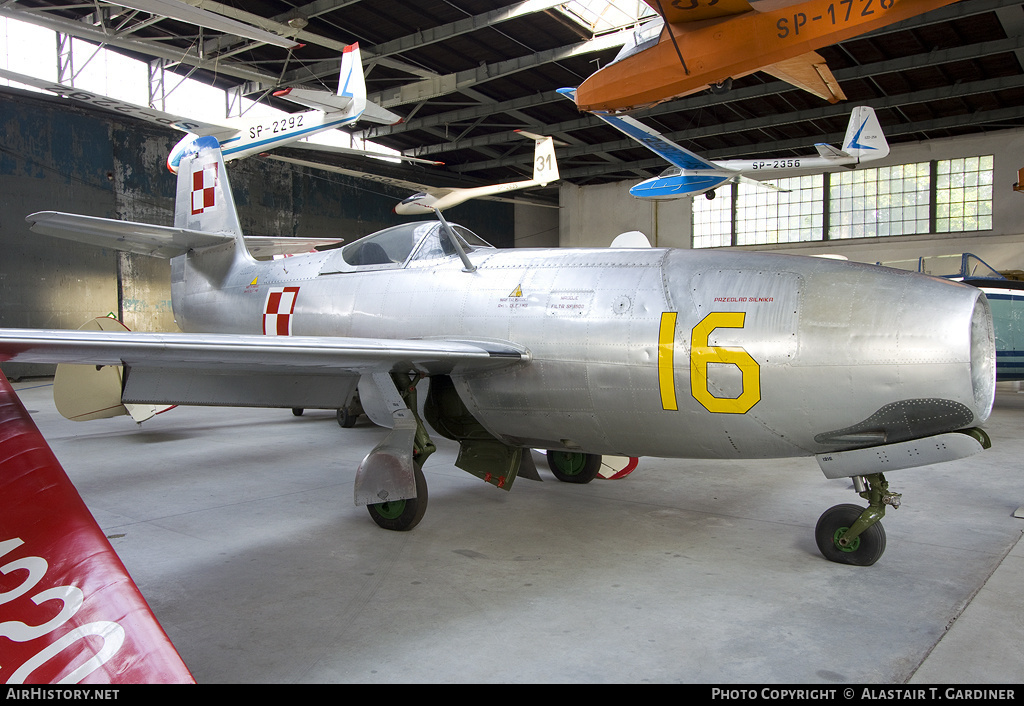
265	246
140	238
376	114
829	152
317	100
160	241
811	73
759	184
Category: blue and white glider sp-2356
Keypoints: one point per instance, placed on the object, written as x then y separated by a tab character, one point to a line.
246	136
584	352
692	175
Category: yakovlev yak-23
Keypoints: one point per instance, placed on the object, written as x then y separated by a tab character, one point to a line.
619	351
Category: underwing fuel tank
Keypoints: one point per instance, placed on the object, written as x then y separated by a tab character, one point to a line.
749	356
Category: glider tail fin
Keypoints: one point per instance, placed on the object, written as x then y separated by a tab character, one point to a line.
545	167
203	201
351	83
864	137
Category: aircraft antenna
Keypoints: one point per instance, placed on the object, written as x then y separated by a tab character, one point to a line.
467	266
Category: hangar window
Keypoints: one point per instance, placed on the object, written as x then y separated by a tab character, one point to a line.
792	215
942	196
712	220
963	194
866	203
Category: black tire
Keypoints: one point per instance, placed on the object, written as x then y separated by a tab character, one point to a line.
573	467
721	88
402	515
710	195
346	419
865	550
297	411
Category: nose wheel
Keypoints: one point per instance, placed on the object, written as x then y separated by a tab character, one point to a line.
863	550
850	534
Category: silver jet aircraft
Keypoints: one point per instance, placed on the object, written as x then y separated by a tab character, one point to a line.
618	351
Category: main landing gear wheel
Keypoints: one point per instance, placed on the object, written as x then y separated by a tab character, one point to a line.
572	467
402	515
864	550
346	419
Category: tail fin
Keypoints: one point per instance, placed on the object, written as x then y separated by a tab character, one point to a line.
351	83
204	201
350	100
545	166
864	137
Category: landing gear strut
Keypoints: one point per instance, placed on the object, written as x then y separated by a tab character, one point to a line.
392	472
850	534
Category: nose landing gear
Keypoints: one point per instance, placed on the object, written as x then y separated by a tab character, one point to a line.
850	534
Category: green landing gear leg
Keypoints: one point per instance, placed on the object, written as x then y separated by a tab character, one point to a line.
850	534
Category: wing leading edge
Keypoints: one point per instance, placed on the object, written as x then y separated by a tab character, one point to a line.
250	370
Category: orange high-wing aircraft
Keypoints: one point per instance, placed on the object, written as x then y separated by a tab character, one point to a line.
704	43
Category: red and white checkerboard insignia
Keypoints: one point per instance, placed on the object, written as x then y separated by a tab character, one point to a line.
278	310
204	182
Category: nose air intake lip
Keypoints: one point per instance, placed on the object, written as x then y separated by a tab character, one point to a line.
983	357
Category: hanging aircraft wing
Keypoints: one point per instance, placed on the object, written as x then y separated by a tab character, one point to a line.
809	72
303	144
211	20
651	139
196	127
435	191
380	179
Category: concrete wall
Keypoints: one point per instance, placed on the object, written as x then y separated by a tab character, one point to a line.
593	215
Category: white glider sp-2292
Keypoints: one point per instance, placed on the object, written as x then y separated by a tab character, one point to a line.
245	136
583	352
691	174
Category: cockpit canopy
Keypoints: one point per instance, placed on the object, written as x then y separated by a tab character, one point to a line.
644	37
407	243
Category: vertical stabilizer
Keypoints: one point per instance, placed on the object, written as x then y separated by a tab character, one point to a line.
203	200
545	168
351	83
864	137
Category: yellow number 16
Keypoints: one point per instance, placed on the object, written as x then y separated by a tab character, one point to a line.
701	356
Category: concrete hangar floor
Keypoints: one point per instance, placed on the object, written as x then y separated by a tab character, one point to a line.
239	528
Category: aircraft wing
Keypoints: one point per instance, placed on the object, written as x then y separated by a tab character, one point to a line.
197	127
103	632
809	72
303	144
649	138
390	181
250	370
